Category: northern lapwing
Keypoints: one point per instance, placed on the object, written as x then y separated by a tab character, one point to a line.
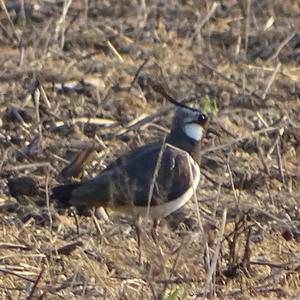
155	179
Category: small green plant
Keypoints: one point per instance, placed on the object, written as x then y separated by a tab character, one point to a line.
172	295
20	21
209	105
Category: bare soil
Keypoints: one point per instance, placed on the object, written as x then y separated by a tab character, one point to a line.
74	88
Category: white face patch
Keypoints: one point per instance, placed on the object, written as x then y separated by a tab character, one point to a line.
194	131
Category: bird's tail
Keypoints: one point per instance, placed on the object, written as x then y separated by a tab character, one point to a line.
63	193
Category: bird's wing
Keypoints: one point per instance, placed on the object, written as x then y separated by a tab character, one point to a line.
133	155
128	182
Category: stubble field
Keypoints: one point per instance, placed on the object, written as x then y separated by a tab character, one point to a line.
74	88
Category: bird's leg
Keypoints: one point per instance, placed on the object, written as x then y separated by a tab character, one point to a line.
154	230
154	236
138	235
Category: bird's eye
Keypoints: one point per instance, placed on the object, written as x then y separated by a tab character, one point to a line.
202	119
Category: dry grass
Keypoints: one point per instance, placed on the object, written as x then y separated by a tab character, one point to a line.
70	80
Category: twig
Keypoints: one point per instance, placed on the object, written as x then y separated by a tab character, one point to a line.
10	21
284	292
279	161
17	275
48	199
74	214
172	272
247	19
35	284
232	185
155	174
204	21
7	204
177	280
282	45
247	253
44	96
114	50
85	121
68	248
273	146
269	264
271	80
59	26
14	246
98	228
74	18
4	287
3	159
6	34
91	265
238	293
137	73
213	264
28	166
22	54
36	99
260	155
19	117
153	291
76	167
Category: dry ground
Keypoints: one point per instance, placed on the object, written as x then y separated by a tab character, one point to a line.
70	78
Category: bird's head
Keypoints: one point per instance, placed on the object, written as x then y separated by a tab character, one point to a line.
192	122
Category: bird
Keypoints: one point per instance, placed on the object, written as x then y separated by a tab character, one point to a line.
153	180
